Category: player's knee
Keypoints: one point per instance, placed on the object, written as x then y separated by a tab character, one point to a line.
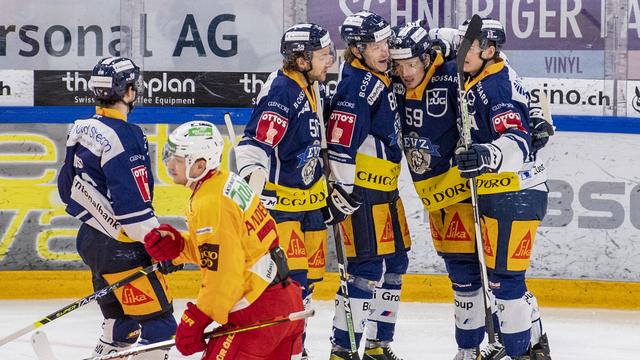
361	287
120	332
158	328
370	270
507	286
392	279
398	263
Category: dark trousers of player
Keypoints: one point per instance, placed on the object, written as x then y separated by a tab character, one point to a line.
107	256
378	223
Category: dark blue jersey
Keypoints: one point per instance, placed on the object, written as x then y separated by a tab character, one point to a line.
283	137
364	135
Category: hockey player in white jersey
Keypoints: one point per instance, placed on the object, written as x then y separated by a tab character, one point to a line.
279	154
106	183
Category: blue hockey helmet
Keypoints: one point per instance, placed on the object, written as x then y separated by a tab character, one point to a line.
410	41
304	38
491	31
364	27
112	76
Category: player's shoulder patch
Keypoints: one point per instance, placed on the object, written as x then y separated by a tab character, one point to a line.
238	190
509	119
375	92
341	128
271	127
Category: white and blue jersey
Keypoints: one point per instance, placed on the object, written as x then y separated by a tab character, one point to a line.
106	179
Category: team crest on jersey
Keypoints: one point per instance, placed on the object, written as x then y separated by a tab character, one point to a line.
142	182
271	128
437	101
309	161
507	120
341	126
418	151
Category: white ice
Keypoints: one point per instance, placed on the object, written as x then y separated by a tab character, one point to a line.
424	331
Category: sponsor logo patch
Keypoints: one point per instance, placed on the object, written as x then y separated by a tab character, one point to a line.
507	120
296	247
523	251
133	296
142	182
341	126
271	128
209	255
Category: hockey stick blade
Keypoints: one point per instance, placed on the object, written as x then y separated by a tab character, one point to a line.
79	303
232	133
41	346
221	331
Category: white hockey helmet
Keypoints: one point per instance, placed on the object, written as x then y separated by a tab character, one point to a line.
193	141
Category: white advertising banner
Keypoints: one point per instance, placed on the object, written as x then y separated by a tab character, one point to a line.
198	35
16	88
574	96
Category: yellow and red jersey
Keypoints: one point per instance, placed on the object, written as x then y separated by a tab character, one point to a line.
230	236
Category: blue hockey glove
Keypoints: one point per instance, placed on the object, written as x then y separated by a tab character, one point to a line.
479	159
340	204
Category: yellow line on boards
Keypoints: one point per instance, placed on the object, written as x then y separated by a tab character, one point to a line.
75	284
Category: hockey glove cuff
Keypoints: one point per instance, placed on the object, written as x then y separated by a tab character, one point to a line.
478	159
340	204
190	333
541	130
164	242
167	267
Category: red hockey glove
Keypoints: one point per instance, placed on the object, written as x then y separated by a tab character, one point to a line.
189	336
164	242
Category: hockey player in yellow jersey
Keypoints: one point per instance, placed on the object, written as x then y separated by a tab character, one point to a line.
234	241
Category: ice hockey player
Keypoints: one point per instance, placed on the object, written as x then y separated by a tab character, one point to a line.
234	240
279	154
427	90
511	184
363	140
106	182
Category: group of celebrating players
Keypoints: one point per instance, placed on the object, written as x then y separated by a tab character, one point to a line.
259	236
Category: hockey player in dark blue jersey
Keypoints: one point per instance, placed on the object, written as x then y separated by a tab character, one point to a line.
279	154
511	185
106	183
363	140
427	89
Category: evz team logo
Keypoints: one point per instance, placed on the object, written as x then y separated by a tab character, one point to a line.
142	181
271	128
507	120
341	126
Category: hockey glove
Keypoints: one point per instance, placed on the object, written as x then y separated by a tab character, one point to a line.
541	129
190	333
340	205
164	242
167	267
479	159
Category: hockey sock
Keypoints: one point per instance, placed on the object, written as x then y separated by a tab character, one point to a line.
360	294
536	323
515	325
384	309
469	318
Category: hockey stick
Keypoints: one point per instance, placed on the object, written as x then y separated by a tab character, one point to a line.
219	332
79	303
336	232
230	130
474	28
